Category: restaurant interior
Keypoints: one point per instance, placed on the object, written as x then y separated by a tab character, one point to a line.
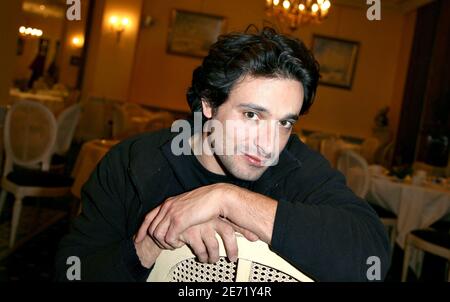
78	77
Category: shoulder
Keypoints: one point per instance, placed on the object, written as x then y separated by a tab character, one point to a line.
136	150
308	158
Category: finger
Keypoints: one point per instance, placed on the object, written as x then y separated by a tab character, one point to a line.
160	233
228	236
145	225
212	245
195	242
160	216
174	241
173	231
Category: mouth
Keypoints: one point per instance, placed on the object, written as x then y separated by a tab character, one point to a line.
254	160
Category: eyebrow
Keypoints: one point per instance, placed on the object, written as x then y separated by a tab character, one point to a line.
291	116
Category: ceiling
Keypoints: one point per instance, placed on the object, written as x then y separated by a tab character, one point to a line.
402	6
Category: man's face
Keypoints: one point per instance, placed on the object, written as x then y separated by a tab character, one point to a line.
257	121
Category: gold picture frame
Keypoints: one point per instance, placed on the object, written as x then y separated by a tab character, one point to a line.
192	33
337	59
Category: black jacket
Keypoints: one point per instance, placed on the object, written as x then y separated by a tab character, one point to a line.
320	225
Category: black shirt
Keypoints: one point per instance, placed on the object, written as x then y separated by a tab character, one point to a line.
195	175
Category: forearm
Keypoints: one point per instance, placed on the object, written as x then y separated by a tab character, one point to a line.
252	211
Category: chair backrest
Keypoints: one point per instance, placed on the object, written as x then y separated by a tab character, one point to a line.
369	148
330	149
356	171
387	154
29	135
159	120
66	122
118	120
314	140
256	263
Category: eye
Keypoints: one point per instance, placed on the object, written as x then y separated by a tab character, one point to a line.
251	115
287	124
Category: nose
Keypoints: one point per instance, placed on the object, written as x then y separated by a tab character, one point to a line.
267	138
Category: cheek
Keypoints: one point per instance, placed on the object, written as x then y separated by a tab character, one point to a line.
237	132
283	141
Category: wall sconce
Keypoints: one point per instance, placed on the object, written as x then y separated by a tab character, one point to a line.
118	25
77	41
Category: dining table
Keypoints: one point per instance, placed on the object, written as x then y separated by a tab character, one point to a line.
417	206
55	102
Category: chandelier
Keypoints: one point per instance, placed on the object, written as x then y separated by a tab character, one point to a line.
294	13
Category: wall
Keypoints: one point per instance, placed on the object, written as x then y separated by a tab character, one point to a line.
160	79
69	72
52	30
9	26
109	63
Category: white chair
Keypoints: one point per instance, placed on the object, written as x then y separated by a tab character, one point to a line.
125	117
29	137
330	149
369	148
66	122
356	171
159	120
428	240
256	263
313	140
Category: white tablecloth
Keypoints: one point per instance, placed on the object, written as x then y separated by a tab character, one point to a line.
416	206
53	102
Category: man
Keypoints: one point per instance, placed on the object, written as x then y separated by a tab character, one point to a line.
246	174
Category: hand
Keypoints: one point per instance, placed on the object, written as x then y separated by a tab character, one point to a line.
166	222
201	239
147	251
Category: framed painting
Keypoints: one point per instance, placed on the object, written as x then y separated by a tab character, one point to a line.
192	33
337	59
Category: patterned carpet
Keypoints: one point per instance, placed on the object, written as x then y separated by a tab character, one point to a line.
40	230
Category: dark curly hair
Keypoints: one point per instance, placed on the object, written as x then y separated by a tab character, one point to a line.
265	53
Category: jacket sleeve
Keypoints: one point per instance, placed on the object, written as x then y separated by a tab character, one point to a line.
328	231
98	236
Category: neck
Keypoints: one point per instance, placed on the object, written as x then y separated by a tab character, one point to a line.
202	150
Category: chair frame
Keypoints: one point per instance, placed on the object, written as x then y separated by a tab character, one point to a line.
249	252
67	113
419	243
343	155
18	191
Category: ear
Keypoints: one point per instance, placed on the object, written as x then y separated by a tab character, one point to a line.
207	109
